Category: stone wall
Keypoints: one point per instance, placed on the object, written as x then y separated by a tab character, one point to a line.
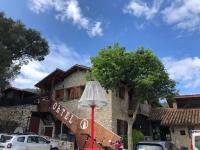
119	110
178	139
102	116
15	116
182	140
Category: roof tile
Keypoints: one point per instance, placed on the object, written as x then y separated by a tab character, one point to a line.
170	116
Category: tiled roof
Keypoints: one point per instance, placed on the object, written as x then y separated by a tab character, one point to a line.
187	96
58	75
170	116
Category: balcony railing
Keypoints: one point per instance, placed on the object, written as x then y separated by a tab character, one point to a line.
33	100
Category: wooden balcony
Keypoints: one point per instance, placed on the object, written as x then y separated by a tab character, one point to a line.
32	100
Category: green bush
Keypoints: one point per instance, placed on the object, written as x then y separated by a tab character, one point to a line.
125	141
137	137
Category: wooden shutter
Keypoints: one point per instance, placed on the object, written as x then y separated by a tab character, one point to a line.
74	92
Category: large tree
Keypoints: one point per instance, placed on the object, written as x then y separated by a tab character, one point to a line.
141	73
18	46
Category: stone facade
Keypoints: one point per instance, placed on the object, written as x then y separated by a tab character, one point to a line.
106	116
178	139
119	110
12	117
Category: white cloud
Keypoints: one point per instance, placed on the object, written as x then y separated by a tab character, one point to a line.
184	14
96	30
68	10
185	71
61	56
139	8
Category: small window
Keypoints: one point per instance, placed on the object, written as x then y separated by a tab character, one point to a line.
182	132
20	139
59	94
122	127
122	92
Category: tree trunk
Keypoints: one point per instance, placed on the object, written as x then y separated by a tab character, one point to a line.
130	136
131	120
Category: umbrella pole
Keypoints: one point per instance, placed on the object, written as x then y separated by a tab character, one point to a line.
92	127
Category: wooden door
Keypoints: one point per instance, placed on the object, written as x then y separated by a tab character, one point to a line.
34	124
48	131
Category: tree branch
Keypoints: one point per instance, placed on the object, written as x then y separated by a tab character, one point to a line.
136	110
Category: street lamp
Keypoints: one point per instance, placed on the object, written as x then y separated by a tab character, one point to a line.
94	96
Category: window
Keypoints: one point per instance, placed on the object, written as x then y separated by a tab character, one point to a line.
60	94
42	140
32	139
5	138
182	132
122	127
120	92
20	139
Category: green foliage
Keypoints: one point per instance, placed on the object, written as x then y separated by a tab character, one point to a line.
164	105
125	141
140	70
18	46
137	136
89	76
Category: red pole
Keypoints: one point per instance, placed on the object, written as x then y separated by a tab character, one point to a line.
92	128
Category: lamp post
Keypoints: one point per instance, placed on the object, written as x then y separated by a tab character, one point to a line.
93	96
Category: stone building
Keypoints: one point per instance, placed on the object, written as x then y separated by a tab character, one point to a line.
66	87
55	112
175	123
61	90
16	107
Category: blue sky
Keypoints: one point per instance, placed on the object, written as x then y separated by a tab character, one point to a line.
77	29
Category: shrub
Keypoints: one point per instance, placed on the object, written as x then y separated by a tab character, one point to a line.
137	137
